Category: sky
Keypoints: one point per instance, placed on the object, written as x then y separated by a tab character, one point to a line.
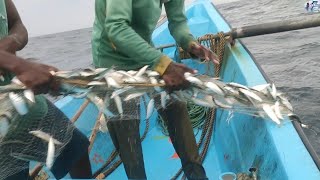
52	16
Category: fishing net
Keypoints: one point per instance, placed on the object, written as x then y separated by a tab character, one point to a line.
18	146
134	110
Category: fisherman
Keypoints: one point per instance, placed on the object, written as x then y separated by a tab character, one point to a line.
73	157
122	38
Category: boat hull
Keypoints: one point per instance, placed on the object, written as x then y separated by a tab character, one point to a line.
237	145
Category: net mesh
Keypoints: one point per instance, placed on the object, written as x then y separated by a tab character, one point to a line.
19	146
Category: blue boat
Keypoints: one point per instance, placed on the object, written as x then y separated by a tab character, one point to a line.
242	144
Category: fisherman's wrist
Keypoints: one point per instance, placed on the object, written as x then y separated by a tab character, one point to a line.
162	64
18	65
189	48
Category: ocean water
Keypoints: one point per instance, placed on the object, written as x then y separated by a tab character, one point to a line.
291	59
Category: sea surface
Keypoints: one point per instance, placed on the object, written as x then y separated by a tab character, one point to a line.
291	59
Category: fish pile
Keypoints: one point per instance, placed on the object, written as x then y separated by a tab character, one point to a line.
107	85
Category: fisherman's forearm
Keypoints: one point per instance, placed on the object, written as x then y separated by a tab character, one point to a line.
18	34
178	24
12	43
10	62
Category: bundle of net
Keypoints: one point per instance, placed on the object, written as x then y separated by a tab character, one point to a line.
30	131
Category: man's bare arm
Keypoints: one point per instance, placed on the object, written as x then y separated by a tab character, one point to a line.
35	76
18	34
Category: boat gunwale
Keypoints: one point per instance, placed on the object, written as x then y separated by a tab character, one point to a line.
296	125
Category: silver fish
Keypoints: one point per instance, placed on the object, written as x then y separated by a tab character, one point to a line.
100	70
231	90
102	73
141	71
286	102
112	83
194	80
203	102
124	73
250	94
87	74
134	95
1	78
44	136
22	157
96	83
100	104
15	80
187	74
50	154
260	87
153	73
118	102
153	80
103	124
120	91
4	126
268	110
163	95
132	73
195	92
274	91
18	103
238	85
213	87
221	104
29	95
277	110
138	79
150	108
162	81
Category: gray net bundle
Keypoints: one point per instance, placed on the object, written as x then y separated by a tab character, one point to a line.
26	137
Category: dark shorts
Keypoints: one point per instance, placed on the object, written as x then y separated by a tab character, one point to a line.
76	148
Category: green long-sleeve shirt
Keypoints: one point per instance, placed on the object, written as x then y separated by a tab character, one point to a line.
122	32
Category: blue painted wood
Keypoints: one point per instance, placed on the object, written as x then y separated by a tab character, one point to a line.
234	145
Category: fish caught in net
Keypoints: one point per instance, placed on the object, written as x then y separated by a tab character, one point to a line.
112	90
118	95
37	135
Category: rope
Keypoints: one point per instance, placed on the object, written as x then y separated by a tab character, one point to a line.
93	135
196	113
80	111
217	45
